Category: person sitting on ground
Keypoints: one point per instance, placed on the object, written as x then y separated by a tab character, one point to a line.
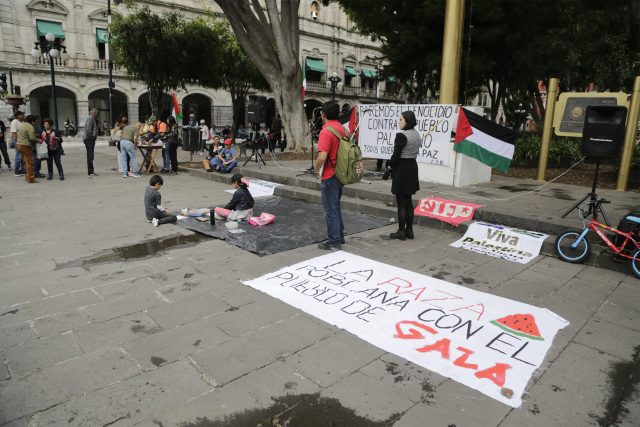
153	209
214	149
226	159
241	205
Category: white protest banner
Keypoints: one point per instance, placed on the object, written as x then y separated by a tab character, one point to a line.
379	124
486	342
501	242
259	188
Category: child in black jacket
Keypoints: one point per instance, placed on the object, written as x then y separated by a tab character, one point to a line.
241	205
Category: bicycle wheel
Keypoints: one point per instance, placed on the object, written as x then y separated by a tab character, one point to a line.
569	254
635	264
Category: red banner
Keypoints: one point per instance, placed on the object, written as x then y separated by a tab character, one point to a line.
450	211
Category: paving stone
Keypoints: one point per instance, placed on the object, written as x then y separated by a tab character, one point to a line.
254	316
556	268
237	294
176	343
365	396
527	289
589	293
62	322
573	391
126	287
16	334
52	305
245	400
57	384
495	271
9	298
4	368
622	307
112	309
612	339
41	353
240	356
115	331
153	391
392	378
187	309
324	363
454	404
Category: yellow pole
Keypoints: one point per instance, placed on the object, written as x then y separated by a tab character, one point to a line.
629	137
547	131
451	52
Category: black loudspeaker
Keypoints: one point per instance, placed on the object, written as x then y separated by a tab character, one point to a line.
257	109
603	132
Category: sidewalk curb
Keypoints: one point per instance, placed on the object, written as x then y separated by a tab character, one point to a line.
375	204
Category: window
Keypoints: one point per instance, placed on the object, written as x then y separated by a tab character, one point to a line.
102	37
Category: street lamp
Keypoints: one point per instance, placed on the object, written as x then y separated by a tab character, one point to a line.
334	82
51	48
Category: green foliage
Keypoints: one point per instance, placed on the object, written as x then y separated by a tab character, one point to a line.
563	151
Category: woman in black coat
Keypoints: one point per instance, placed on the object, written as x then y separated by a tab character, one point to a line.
404	170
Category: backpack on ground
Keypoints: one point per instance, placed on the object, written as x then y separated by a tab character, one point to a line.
349	165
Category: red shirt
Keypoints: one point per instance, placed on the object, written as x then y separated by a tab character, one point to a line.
329	143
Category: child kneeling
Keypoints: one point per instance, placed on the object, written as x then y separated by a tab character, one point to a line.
241	205
153	209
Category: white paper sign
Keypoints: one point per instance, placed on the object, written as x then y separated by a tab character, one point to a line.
259	188
502	242
379	125
486	342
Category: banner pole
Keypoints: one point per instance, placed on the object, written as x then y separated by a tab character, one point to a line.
451	52
629	137
547	132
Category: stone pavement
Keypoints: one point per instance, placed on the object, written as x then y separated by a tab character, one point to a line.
93	336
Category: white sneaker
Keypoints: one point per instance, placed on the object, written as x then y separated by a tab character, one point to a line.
216	216
155	222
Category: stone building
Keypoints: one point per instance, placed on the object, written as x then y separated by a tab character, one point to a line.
328	45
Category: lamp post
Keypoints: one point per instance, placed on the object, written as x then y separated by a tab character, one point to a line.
50	49
334	82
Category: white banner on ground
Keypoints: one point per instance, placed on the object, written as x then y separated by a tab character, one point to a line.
502	242
379	124
260	188
486	342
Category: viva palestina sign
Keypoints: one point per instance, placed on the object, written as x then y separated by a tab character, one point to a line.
379	125
486	342
502	242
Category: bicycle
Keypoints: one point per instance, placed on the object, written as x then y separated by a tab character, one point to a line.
573	246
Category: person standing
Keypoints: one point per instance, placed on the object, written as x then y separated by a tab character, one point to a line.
128	150
26	141
89	139
330	187
404	170
53	140
204	136
13	129
66	126
172	140
3	145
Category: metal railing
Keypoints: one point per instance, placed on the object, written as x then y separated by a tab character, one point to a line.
354	90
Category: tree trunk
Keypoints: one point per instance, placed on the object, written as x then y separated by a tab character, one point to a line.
155	99
238	98
271	38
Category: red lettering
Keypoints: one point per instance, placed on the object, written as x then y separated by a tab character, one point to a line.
479	313
441	299
441	347
496	374
417	292
392	282
462	360
411	333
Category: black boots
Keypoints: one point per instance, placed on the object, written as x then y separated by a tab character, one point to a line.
400	235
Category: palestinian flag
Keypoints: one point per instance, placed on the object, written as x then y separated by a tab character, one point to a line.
176	111
484	140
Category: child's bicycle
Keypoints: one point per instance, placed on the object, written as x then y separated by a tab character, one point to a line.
573	245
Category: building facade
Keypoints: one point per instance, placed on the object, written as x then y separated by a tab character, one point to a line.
328	45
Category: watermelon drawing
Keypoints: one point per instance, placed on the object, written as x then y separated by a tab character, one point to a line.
523	325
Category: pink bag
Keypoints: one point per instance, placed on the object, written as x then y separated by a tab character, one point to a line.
263	219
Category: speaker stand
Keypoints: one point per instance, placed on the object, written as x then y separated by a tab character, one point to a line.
312	169
593	197
255	156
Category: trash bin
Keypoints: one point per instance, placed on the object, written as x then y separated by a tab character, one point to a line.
190	138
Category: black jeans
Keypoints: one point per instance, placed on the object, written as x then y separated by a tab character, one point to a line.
5	154
165	218
405	212
54	156
90	145
173	155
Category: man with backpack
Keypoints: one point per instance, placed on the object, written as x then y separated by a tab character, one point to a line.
330	187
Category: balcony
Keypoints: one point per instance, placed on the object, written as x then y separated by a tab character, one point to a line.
44	60
356	91
103	64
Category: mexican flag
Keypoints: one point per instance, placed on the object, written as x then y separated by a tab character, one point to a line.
484	140
176	111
